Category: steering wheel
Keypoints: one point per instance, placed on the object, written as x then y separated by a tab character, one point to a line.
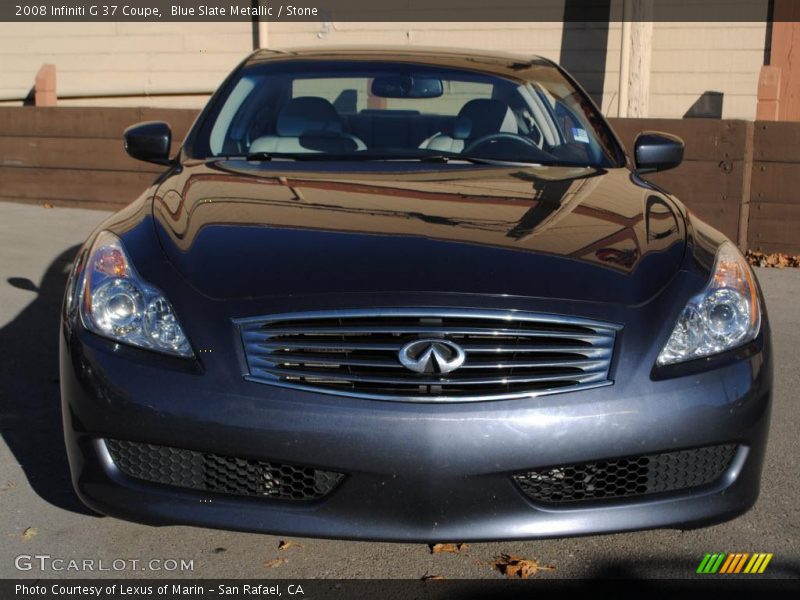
500	136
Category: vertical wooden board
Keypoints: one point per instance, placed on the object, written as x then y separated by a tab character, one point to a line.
775	182
109	187
704	181
712	178
87	122
777	142
747	184
713	193
724	218
56	203
70	153
775	227
74	122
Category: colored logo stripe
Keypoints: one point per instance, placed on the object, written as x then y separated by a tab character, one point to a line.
729	562
734	563
711	563
737	562
758	563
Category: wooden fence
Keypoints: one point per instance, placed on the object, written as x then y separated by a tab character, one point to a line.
713	179
775	189
742	177
74	156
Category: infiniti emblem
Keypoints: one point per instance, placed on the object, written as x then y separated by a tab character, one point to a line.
431	356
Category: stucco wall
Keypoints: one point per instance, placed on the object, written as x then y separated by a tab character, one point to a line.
135	59
131	60
689	59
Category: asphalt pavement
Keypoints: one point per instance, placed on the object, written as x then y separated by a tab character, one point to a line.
40	515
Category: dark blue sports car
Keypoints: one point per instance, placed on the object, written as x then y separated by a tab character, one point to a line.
412	295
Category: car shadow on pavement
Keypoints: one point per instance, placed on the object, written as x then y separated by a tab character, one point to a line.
30	405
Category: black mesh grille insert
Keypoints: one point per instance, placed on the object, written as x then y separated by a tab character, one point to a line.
222	474
626	477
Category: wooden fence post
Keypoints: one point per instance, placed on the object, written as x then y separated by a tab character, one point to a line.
45	86
747	178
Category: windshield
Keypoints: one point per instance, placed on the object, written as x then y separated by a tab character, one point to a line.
365	110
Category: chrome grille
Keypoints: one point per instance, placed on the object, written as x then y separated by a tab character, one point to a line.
509	354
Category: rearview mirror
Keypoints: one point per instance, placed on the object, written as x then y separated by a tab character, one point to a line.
406	86
149	141
655	151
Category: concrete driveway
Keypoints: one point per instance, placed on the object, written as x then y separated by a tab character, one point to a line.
39	514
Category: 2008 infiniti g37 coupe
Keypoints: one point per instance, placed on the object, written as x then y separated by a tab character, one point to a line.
411	295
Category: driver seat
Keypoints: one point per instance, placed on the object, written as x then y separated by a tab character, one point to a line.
476	119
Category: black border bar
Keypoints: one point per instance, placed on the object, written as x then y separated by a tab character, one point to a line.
732	588
583	11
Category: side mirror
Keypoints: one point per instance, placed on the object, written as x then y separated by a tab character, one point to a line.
654	151
149	141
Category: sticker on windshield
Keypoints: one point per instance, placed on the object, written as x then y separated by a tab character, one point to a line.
580	135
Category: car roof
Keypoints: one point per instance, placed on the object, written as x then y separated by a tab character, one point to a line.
500	63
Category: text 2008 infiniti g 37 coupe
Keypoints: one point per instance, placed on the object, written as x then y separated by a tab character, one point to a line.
411	295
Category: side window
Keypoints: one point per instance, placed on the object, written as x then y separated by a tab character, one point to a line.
575	139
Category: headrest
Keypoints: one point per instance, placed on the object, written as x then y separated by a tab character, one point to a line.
308	114
483	116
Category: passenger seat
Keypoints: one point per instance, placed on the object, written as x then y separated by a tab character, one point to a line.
308	124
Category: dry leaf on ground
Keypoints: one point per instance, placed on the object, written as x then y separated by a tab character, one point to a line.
448	548
515	567
286	544
275	562
427	577
776	260
29	533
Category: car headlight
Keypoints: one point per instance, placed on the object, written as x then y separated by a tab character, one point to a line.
116	303
723	316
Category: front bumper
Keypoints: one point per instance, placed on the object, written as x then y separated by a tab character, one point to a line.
413	472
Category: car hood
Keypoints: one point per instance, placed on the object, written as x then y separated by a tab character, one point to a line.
236	229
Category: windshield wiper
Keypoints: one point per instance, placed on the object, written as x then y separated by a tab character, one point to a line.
266	156
255	157
439	157
269	156
364	156
448	158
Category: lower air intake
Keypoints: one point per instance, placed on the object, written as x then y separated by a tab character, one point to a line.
627	477
221	474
